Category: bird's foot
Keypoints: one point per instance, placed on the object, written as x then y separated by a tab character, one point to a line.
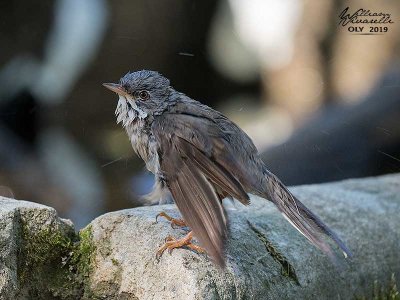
174	222
172	243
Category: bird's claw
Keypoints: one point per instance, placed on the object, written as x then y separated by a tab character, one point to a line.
171	243
169	239
175	223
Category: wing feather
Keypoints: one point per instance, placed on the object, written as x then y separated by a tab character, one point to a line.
215	172
196	178
196	164
200	207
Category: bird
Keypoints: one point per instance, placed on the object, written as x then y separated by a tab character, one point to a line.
199	157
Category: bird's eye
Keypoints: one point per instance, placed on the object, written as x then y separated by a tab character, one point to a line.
144	95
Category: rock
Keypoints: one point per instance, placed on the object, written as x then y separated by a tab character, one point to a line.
267	258
41	257
34	246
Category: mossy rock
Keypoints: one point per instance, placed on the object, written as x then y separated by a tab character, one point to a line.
42	255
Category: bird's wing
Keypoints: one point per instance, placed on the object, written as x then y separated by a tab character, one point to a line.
201	141
221	139
193	155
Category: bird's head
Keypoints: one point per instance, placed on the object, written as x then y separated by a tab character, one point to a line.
140	94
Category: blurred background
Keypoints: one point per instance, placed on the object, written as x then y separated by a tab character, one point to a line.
320	103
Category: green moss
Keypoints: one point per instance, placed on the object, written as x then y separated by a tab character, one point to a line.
382	292
114	262
83	255
83	259
54	262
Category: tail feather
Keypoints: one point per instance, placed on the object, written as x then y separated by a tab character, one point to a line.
305	221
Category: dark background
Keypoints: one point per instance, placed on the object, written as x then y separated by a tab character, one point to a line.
320	103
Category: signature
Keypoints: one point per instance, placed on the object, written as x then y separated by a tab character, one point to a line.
364	16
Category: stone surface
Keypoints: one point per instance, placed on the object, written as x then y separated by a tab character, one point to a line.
267	258
41	257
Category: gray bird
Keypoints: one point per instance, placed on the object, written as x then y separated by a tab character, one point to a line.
201	157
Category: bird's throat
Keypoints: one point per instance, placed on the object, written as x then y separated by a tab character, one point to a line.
128	112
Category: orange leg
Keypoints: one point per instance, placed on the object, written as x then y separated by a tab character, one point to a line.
172	243
174	222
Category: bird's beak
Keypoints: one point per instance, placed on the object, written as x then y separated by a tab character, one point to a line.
115	87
